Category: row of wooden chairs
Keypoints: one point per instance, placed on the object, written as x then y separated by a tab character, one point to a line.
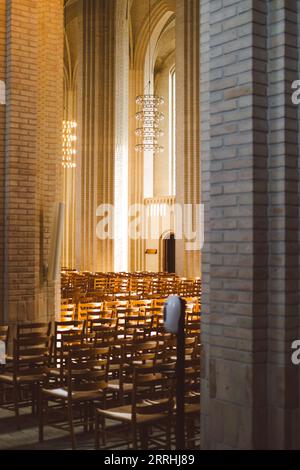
80	311
102	369
131	285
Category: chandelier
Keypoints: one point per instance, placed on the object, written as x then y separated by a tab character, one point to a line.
149	117
69	139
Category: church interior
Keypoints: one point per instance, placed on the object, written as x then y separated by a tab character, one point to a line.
149	232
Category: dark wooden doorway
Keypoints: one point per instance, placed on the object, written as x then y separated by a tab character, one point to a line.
169	254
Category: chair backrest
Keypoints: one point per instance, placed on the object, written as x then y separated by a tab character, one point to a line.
140	352
102	337
33	330
61	327
192	381
158	302
115	304
153	392
66	335
87	370
192	327
168	349
104	317
67	312
140	303
100	283
103	324
88	308
31	356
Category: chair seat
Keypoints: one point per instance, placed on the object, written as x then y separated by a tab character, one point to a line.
57	371
10	358
115	386
193	398
124	414
9	378
54	371
62	393
191	408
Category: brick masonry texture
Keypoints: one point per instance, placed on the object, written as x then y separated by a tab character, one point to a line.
33	72
249	56
250	186
2	148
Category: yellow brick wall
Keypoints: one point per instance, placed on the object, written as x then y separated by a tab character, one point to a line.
34	73
2	143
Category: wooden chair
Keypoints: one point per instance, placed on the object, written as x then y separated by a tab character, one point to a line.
104	317
105	322
29	367
33	330
192	401
89	309
86	375
103	337
140	303
114	304
67	312
130	355
152	405
65	333
158	303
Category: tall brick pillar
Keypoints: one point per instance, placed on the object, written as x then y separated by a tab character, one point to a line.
187	130
2	147
96	129
250	188
32	154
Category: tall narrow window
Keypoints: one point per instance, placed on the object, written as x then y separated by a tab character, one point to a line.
172	133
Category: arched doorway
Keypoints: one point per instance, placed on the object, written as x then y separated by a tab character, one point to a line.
169	253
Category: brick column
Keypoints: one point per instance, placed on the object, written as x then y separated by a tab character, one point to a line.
187	124
250	258
283	185
96	121
2	150
34	70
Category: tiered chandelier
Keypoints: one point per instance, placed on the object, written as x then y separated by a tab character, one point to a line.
149	117
69	139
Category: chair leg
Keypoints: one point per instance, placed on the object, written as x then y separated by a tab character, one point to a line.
34	399
103	431
168	436
190	432
2	393
71	425
85	416
97	432
134	437
144	438
16	404
41	416
91	416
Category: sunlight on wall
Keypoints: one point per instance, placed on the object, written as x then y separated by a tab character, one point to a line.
121	142
172	133
121	209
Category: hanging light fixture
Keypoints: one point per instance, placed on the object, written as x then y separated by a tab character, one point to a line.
69	139
149	116
69	135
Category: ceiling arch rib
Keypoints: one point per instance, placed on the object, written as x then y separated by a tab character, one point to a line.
161	13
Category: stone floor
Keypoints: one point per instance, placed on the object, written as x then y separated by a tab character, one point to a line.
55	437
